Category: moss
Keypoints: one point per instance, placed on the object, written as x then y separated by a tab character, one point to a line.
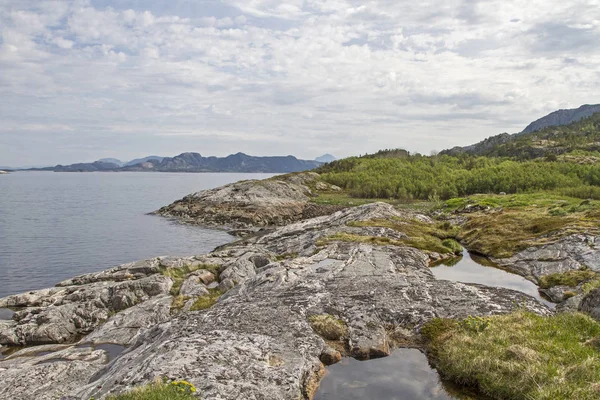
569	278
520	356
421	235
178	275
591	285
179	390
453	245
178	302
519	221
328	327
207	301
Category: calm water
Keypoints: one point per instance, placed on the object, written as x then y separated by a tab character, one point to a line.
57	225
404	375
471	269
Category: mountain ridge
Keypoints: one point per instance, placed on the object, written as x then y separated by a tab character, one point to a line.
195	162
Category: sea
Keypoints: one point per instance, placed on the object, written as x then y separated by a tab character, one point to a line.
54	226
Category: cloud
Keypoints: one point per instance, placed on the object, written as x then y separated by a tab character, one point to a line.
302	77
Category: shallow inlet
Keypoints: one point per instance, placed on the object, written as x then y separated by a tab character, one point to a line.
403	375
474	269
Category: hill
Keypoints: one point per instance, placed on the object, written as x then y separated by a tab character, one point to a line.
581	138
194	162
562	117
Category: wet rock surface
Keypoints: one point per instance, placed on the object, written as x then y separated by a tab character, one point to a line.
256	342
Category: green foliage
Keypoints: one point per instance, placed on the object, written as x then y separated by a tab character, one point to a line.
453	245
520	356
207	301
445	177
569	278
176	390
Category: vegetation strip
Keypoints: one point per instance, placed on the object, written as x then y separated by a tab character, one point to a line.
520	355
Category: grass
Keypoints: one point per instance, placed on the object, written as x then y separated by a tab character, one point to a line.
343	198
421	235
178	275
523	220
207	301
569	278
179	390
521	356
589	286
328	327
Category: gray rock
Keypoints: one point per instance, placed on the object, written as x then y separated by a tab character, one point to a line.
62	314
256	342
590	304
122	327
193	287
569	253
251	204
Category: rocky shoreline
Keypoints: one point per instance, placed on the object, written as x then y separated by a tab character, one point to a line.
239	322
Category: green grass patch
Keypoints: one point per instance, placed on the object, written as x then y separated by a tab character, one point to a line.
178	275
522	221
438	238
207	301
520	356
569	278
328	327
589	286
178	390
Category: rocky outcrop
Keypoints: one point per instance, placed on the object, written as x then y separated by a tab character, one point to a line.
571	252
257	341
251	204
3	173
590	304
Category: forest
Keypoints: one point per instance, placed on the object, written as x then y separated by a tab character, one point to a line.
411	177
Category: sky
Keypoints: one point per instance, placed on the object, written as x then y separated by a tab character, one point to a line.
86	79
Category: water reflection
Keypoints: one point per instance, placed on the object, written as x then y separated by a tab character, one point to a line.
404	375
473	269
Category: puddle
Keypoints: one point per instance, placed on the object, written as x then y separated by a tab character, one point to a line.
112	350
6	314
404	375
473	269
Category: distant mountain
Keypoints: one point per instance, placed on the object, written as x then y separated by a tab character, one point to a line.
194	162
112	161
562	117
142	160
581	138
325	158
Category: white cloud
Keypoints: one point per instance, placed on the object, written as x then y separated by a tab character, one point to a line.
299	77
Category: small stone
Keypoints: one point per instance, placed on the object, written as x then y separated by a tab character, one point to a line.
330	356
